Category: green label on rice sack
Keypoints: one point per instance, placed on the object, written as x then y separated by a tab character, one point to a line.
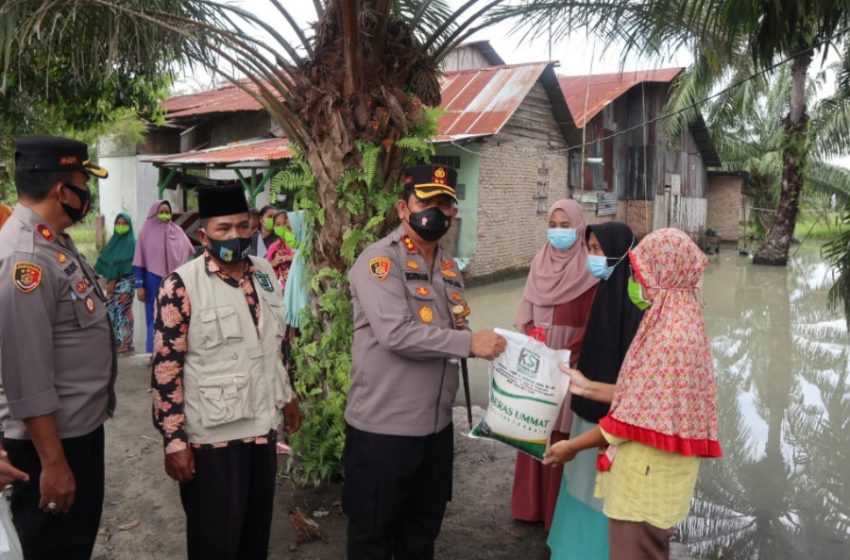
526	392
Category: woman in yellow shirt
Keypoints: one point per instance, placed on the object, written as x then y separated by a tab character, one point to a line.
663	415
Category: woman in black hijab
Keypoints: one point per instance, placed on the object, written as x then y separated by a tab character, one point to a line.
579	528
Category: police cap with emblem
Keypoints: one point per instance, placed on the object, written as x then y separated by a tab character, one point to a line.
49	153
223	200
430	180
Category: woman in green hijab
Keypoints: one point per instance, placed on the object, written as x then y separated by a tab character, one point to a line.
115	264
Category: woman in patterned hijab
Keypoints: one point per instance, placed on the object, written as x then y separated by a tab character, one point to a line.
663	416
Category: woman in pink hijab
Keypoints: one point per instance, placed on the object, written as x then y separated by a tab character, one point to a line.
557	298
161	248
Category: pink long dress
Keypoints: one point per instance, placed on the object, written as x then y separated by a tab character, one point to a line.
536	486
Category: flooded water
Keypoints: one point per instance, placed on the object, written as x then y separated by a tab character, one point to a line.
782	357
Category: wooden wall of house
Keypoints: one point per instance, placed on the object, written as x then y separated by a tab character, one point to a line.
160	140
534	120
229	128
220	129
623	155
625	158
464	58
520	176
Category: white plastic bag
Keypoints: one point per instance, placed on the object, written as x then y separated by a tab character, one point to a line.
526	392
10	545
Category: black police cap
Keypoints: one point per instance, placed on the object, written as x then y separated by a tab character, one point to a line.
50	153
431	180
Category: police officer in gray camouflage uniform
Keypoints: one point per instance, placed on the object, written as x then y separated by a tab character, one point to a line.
399	437
58	363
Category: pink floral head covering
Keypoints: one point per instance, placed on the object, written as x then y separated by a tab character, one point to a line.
665	395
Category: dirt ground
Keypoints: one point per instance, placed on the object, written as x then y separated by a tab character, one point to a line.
142	517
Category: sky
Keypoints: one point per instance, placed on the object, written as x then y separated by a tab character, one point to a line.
577	55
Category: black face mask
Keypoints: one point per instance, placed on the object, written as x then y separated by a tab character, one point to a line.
430	224
231	250
77	215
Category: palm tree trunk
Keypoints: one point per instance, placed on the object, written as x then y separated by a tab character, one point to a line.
775	249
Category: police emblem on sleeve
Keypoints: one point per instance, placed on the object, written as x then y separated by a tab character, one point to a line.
380	267
26	276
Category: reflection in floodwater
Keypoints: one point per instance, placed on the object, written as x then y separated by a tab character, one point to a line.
782	489
782	371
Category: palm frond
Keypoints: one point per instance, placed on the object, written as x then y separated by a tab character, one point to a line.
830	126
837	252
687	90
829	179
105	40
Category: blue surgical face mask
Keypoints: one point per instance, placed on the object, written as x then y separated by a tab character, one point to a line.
598	267
562	238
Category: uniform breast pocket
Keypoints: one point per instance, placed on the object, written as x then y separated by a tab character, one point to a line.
276	309
455	296
88	310
219	326
225	399
423	302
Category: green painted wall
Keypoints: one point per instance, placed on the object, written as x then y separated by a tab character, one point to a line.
468	206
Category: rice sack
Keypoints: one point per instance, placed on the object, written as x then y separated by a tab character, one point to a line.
526	392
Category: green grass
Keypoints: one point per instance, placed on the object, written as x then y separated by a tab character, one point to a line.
84	238
819	228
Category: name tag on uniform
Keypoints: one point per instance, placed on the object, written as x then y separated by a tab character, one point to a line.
265	281
420	276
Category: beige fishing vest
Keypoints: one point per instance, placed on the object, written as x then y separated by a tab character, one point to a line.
234	380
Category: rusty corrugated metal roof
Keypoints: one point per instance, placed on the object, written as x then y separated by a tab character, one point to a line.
588	95
479	101
228	98
265	149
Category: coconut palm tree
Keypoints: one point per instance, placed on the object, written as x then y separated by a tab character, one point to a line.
715	30
745	124
350	92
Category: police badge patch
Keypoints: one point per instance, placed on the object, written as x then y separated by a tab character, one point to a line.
26	276
380	267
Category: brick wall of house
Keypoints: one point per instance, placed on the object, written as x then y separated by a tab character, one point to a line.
725	204
638	215
510	228
518	181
